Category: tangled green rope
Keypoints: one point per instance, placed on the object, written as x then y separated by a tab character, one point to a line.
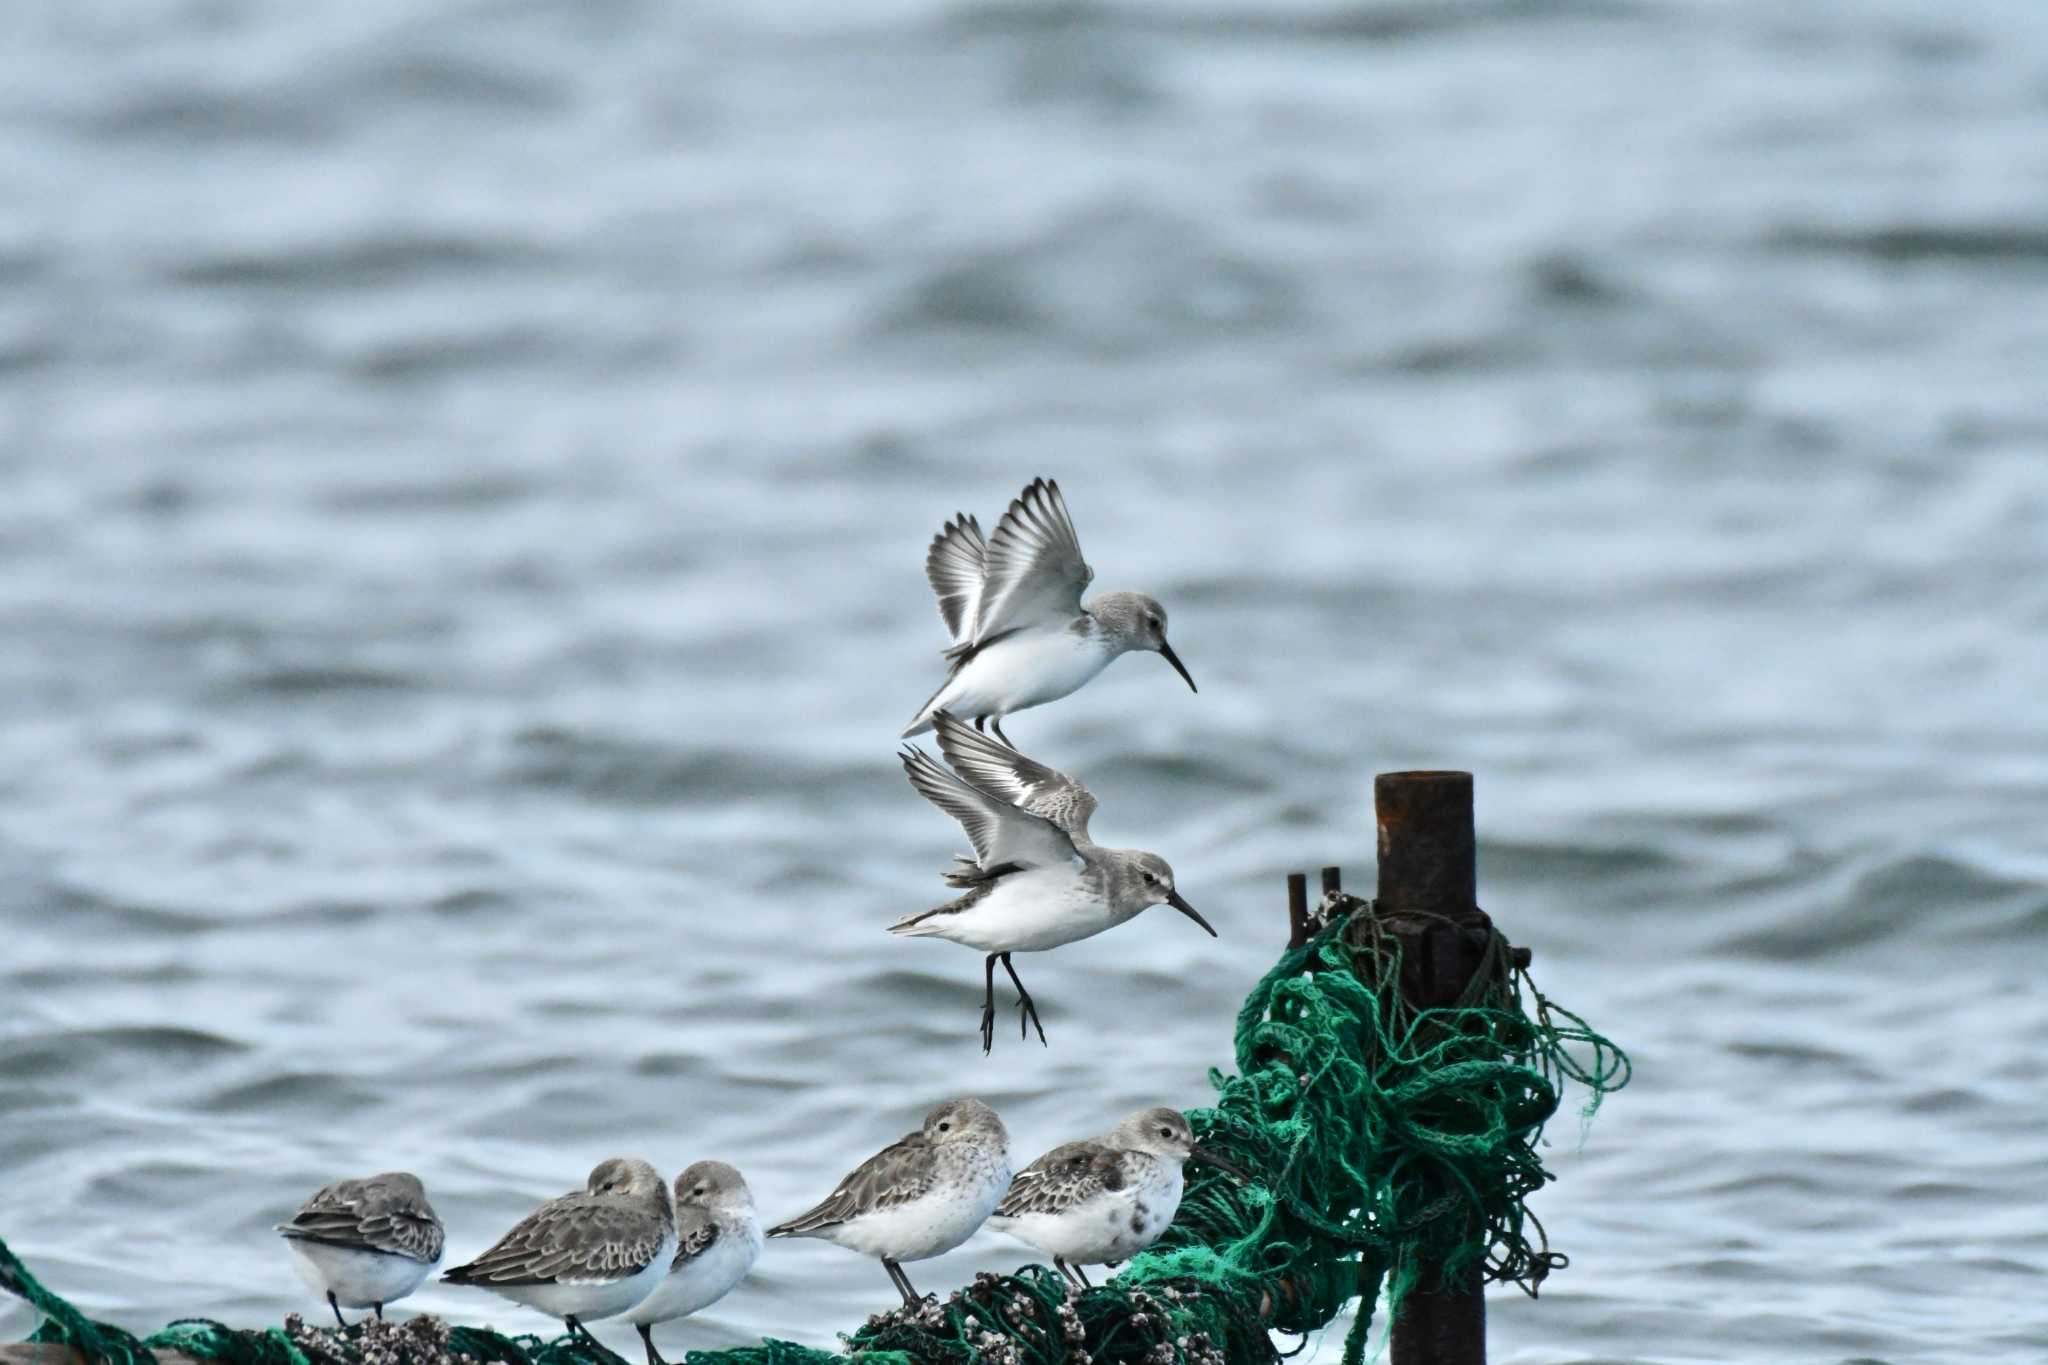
1385	1143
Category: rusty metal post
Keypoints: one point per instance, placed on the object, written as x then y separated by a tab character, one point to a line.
1297	909
1428	865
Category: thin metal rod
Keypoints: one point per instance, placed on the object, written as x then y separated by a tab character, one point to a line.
1297	909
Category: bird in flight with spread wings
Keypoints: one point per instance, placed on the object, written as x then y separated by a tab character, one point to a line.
1036	880
1012	604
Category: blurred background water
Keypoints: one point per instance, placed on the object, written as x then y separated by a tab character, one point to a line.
467	473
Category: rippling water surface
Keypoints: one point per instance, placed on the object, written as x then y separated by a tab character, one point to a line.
467	473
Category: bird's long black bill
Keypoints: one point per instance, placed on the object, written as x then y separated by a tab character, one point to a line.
1178	667
1173	899
1209	1158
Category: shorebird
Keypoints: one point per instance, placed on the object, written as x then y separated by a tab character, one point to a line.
586	1255
1102	1200
365	1243
1012	604
918	1197
1036	879
718	1239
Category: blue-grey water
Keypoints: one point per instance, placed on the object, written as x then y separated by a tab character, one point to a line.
466	475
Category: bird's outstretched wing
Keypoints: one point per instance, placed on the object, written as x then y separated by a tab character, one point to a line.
994	767
387	1213
895	1175
1033	573
955	564
1070	1174
1002	834
579	1237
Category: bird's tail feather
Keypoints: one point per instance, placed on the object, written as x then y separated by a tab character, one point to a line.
803	1226
922	721
968	876
919	925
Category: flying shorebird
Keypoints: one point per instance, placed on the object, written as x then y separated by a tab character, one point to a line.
718	1239
365	1243
1036	880
1012	604
589	1254
918	1197
1102	1200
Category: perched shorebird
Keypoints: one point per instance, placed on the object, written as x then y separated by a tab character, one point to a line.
1036	880
718	1239
1012	604
1101	1200
918	1197
589	1254
365	1243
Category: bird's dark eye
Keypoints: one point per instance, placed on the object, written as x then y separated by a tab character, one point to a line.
698	1191
945	1127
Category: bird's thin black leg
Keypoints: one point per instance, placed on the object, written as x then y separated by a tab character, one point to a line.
988	1006
647	1336
995	723
576	1329
903	1285
1082	1276
1027	1013
1066	1271
338	1318
379	1310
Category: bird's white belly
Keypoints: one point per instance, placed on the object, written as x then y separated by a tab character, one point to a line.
929	1226
700	1282
1026	669
357	1278
589	1300
1028	912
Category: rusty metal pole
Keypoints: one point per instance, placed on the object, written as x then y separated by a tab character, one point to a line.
1428	865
